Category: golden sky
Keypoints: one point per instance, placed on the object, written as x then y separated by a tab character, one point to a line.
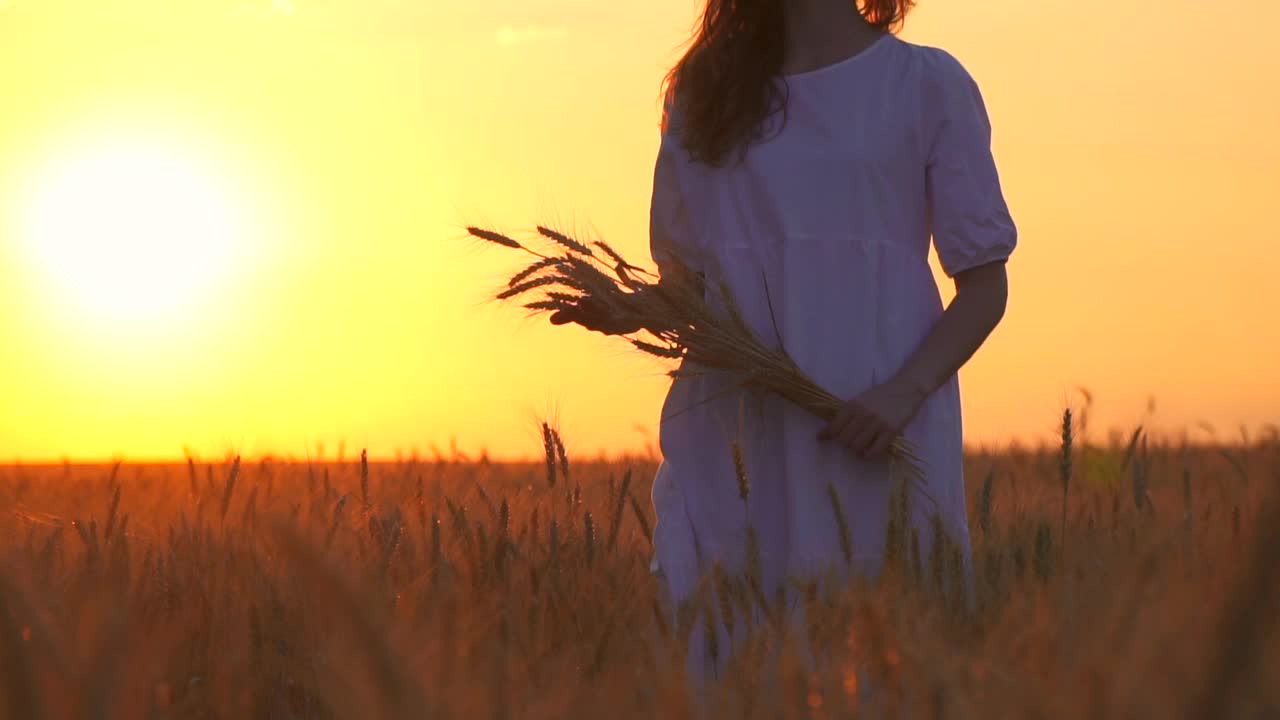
341	144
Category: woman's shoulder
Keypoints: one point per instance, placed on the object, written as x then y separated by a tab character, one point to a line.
939	75
935	63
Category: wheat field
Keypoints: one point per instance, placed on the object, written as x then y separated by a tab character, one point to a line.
1126	579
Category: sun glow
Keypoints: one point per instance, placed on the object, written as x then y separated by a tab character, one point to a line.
133	230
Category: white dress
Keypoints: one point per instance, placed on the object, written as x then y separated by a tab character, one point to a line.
833	214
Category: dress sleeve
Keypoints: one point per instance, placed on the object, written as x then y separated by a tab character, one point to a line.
669	235
969	217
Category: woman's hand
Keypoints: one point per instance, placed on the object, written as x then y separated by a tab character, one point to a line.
869	423
593	315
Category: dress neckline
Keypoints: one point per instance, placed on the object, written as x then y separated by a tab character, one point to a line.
884	39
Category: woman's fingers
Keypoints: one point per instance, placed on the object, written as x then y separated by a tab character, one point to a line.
883	443
836	427
865	437
835	424
854	421
849	434
582	312
860	430
862	434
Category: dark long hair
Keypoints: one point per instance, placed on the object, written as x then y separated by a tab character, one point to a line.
726	84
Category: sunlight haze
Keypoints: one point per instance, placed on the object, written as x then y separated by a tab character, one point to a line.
313	164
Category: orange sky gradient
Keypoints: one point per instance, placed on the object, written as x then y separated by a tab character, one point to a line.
352	139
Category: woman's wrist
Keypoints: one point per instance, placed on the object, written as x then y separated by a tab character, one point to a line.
916	387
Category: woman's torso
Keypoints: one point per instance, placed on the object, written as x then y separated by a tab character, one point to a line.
822	231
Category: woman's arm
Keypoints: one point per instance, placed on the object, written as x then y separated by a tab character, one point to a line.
868	423
982	294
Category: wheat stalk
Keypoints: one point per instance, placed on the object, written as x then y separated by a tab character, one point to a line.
677	313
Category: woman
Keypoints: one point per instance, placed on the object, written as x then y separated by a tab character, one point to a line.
808	155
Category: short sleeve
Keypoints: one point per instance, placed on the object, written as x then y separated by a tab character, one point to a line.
669	234
969	217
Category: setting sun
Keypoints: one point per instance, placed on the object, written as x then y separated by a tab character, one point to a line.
132	229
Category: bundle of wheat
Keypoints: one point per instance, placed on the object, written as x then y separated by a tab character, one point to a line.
678	310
